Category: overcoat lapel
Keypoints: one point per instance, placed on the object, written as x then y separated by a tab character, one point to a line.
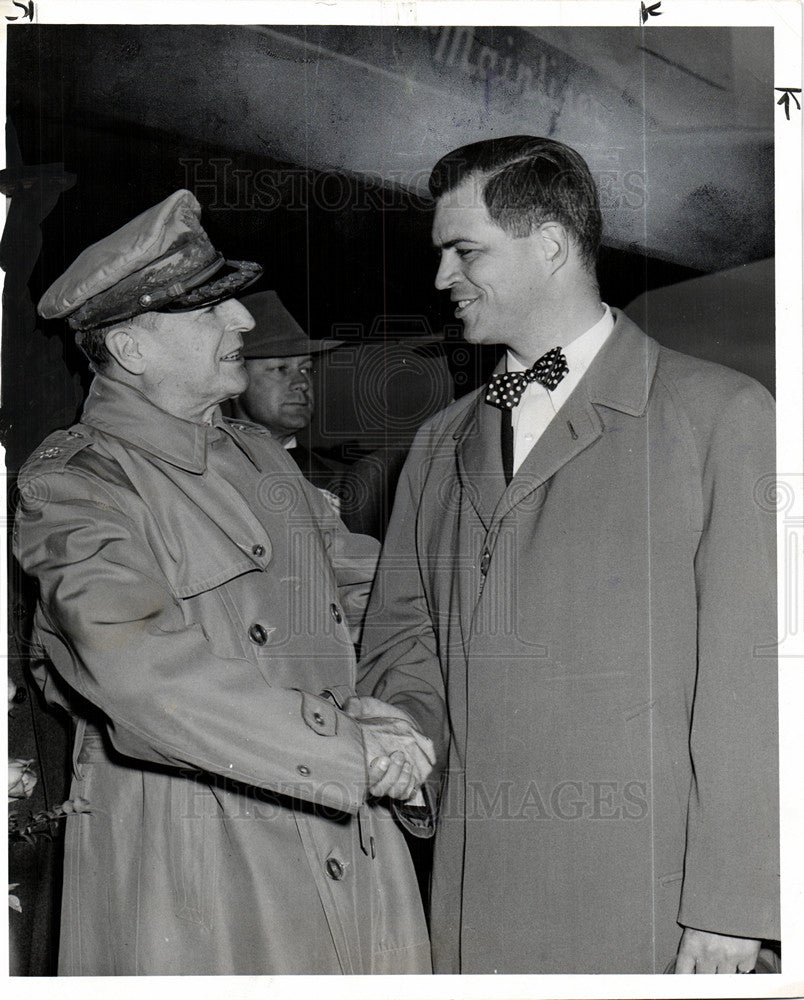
574	428
480	458
619	378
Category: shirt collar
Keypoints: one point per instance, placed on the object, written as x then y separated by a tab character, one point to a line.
580	352
124	412
619	377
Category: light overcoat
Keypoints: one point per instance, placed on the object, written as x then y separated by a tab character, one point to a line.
599	640
197	617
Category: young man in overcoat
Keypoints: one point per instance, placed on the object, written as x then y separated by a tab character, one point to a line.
576	602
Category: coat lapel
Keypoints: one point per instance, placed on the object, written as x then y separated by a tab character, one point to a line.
480	458
574	428
619	378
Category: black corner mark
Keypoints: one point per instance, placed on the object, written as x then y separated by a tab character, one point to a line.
787	93
652	11
27	11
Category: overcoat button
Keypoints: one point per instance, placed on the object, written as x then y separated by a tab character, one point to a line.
258	634
303	769
318	718
334	610
484	562
258	550
334	869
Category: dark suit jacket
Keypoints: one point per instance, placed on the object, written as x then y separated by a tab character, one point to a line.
321	472
365	489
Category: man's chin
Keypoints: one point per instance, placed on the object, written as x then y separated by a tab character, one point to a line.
237	383
298	416
295	426
479	335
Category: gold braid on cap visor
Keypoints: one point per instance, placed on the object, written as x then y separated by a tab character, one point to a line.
168	287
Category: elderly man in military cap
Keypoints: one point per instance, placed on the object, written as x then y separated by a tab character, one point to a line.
196	598
279	359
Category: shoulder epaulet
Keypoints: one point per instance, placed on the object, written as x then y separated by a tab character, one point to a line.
247	427
55	453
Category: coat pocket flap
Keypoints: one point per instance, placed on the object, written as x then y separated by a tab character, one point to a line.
320	715
213	560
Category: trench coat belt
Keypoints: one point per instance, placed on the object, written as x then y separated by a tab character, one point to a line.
87	746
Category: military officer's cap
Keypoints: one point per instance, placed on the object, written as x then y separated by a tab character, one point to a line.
276	334
161	261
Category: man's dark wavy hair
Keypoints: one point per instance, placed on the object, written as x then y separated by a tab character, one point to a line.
528	180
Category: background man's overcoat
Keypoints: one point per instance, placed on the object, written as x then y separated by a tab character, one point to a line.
600	639
195	598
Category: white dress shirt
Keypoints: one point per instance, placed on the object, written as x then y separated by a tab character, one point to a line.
538	405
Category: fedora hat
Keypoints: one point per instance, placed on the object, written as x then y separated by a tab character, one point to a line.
276	333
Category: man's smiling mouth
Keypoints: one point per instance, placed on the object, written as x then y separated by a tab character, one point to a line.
463	305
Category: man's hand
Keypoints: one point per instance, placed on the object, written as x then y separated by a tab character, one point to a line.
703	951
367	707
399	757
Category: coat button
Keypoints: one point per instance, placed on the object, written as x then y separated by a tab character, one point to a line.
335	611
334	869
484	562
258	634
303	769
318	718
258	550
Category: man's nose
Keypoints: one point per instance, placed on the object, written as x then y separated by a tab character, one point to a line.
236	314
447	272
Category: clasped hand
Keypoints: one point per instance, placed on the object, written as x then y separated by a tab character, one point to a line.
398	756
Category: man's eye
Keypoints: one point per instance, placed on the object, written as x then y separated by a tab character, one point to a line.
464	252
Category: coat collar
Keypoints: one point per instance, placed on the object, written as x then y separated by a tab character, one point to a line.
127	414
619	378
621	375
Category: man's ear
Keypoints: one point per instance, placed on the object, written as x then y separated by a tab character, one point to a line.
554	241
123	343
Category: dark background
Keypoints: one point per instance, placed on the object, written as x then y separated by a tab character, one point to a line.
309	147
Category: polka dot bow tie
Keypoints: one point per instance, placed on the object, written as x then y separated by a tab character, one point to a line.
505	391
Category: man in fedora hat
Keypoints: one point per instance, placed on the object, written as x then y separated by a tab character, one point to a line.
196	598
279	358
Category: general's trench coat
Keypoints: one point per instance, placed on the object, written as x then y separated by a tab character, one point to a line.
599	637
199	631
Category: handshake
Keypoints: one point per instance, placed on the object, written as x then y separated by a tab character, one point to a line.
399	758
